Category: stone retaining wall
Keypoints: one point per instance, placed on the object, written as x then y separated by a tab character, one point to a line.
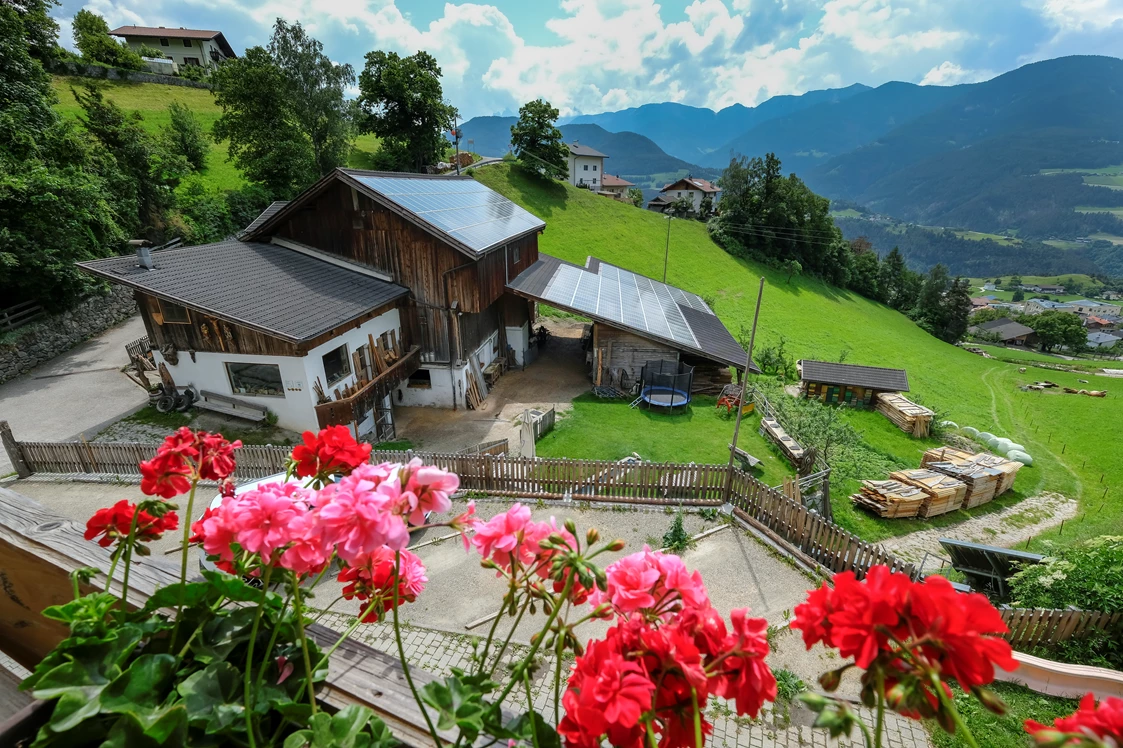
43	340
118	74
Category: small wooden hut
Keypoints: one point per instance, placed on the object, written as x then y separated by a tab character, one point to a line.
832	383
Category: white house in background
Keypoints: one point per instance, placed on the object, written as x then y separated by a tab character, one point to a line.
586	166
692	188
1101	340
1087	306
989	287
206	49
1112	295
1037	306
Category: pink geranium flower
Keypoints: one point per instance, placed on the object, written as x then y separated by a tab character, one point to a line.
426	489
265	519
501	537
357	514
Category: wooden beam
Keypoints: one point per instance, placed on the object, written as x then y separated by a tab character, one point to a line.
15	454
39	549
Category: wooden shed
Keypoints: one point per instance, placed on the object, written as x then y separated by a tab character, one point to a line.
847	383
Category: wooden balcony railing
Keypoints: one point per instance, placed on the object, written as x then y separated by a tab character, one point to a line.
355	408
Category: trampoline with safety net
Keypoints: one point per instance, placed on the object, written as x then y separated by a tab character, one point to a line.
665	384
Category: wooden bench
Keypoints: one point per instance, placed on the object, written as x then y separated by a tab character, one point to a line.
231	406
748	462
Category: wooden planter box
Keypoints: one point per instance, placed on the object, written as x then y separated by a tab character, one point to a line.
22	727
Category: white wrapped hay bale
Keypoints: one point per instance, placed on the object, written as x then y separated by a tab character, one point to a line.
1018	456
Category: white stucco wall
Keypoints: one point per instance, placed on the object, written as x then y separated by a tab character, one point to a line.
517	338
295	410
353	339
577	170
673	195
200	49
439	394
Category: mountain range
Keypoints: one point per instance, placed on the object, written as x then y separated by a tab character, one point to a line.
989	156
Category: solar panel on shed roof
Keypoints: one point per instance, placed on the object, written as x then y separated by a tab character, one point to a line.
617	295
466	210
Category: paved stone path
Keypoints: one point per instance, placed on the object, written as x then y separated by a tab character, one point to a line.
439	651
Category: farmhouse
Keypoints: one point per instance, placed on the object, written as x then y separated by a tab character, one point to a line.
616	187
979	302
366	291
635	320
1101	340
846	383
693	189
205	49
1087	306
586	166
1004	330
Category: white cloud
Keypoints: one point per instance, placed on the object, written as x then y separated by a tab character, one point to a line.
947	73
605	54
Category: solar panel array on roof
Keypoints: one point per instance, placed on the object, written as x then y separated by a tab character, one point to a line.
466	210
617	295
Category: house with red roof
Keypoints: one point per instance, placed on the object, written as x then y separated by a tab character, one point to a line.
615	186
695	189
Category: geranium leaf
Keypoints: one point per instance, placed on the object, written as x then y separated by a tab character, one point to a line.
525	726
458	705
213	697
235	588
142	687
194	593
222	634
299	739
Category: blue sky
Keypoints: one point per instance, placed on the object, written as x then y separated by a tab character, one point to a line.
603	55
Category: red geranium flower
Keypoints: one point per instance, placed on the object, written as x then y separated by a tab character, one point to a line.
186	456
1102	723
331	451
113	523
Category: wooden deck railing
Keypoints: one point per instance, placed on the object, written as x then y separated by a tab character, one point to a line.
355	408
19	315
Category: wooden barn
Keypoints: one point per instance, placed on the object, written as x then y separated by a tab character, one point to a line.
371	288
635	320
846	383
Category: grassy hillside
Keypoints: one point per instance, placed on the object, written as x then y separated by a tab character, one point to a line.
820	321
151	100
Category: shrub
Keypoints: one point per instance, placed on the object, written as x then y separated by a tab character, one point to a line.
193	73
1088	575
676	539
184	136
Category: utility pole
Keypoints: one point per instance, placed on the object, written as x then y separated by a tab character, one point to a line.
667	251
456	139
744	387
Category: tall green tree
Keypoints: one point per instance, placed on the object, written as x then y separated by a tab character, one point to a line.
635	194
265	141
929	309
1055	328
151	171
403	104
56	195
91	37
284	112
537	142
39	28
893	279
183	135
1019	295
316	93
778	218
956	311
865	277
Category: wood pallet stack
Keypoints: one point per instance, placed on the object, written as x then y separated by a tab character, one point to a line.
889	498
982	482
908	416
943	493
1007	469
944	454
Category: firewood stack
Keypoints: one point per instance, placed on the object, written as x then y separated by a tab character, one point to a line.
908	416
889	498
943	493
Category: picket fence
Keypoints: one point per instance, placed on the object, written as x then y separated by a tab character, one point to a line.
785	521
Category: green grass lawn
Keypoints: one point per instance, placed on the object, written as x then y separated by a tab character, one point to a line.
1022	356
1007	731
1108	170
610	430
820	321
1005	241
1113	238
848	213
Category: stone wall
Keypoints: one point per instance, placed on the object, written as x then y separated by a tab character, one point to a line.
60	67
43	340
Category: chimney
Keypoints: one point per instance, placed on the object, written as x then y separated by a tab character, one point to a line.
144	258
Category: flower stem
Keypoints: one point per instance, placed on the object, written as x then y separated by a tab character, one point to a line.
651	741
507	640
247	685
697	718
495	624
557	679
129	541
272	639
557	606
326	610
109	580
950	705
437	742
346	634
530	709
187	519
880	726
298	611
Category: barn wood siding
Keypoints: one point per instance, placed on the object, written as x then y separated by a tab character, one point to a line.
346	223
625	350
207	333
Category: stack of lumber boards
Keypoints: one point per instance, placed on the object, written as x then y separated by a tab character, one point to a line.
908	416
943	493
771	428
889	498
1006	470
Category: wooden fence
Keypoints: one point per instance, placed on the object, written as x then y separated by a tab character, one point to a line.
1033	626
19	315
802	532
139	348
496	447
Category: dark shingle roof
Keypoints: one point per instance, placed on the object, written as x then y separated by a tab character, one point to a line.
1005	329
707	336
266	214
267	287
873	377
583	150
175	33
